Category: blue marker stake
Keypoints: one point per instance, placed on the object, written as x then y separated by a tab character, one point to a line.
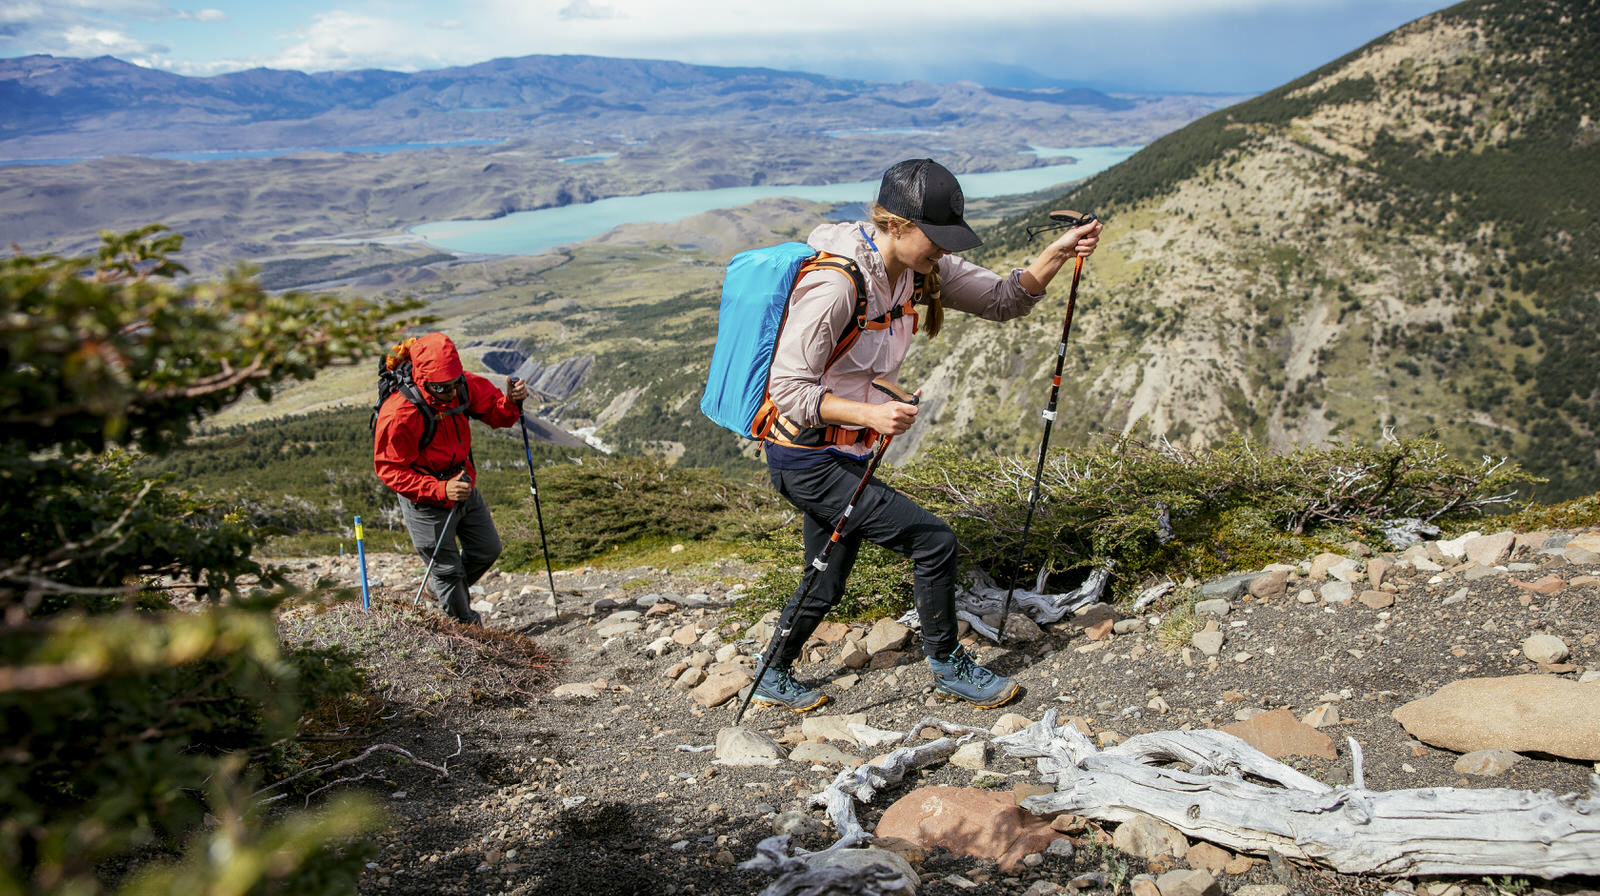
361	553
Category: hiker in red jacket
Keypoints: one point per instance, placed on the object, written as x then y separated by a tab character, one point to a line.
434	478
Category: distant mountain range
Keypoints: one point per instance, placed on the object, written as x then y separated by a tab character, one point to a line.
54	107
659	126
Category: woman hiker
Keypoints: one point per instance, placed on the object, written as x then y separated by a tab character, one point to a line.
434	476
831	415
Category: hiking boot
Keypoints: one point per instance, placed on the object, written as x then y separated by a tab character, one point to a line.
472	617
959	677
778	688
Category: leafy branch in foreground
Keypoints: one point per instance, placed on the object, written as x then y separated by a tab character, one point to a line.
1153	509
119	706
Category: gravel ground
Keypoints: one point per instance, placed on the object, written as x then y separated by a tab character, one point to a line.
605	785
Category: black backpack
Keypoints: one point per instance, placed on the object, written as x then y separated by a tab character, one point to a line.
398	379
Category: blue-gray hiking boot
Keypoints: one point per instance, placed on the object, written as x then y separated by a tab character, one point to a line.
778	688
959	677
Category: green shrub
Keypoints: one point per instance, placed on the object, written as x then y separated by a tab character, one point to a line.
1153	510
128	718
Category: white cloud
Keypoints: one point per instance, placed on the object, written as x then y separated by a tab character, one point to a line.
346	40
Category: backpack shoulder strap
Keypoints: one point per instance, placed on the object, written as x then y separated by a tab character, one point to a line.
848	267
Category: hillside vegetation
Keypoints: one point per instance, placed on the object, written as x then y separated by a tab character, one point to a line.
1400	239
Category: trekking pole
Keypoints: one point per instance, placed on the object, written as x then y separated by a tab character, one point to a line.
820	562
1061	220
533	486
444	533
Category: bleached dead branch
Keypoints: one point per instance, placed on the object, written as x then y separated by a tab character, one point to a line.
1235	796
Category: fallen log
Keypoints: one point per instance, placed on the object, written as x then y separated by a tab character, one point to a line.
1235	796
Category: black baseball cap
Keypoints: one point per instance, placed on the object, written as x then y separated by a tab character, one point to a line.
926	193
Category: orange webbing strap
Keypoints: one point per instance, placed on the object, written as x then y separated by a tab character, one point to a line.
769	425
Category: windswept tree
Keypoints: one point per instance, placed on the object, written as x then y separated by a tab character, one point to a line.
142	685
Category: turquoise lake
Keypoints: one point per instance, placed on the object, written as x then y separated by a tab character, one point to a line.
529	233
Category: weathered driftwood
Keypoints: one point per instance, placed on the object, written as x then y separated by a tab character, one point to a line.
978	596
1235	796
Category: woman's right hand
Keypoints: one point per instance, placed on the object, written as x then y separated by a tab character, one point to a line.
891	418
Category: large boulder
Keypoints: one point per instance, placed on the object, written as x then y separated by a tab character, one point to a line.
1525	713
969	822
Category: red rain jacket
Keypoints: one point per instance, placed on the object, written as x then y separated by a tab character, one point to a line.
420	476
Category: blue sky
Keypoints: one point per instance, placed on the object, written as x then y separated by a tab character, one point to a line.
1205	46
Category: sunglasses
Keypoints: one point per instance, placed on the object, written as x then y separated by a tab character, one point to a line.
443	390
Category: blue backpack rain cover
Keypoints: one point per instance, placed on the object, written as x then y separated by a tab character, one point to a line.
755	294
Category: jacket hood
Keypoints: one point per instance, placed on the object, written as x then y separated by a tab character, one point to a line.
434	360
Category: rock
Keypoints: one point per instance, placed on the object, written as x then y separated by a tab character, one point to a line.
824	754
854	656
1009	723
798	825
577	690
1100	629
1021	628
1336	593
1208	857
1523	713
830	632
1262	890
886	635
719	688
868	736
973	755
1147	838
690	679
1550	584
1456	548
1188	882
1489	550
741	747
816	727
1227	588
657	648
1322	563
1545	649
1376	600
876	871
1209	640
1214	607
1377	570
1129	626
1144	886
1278	734
905	849
1487	763
1324	714
967	821
1270	585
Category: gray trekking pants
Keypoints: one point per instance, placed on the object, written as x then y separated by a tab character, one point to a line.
455	570
882	516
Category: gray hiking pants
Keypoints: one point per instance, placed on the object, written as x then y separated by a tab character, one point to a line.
882	516
455	570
